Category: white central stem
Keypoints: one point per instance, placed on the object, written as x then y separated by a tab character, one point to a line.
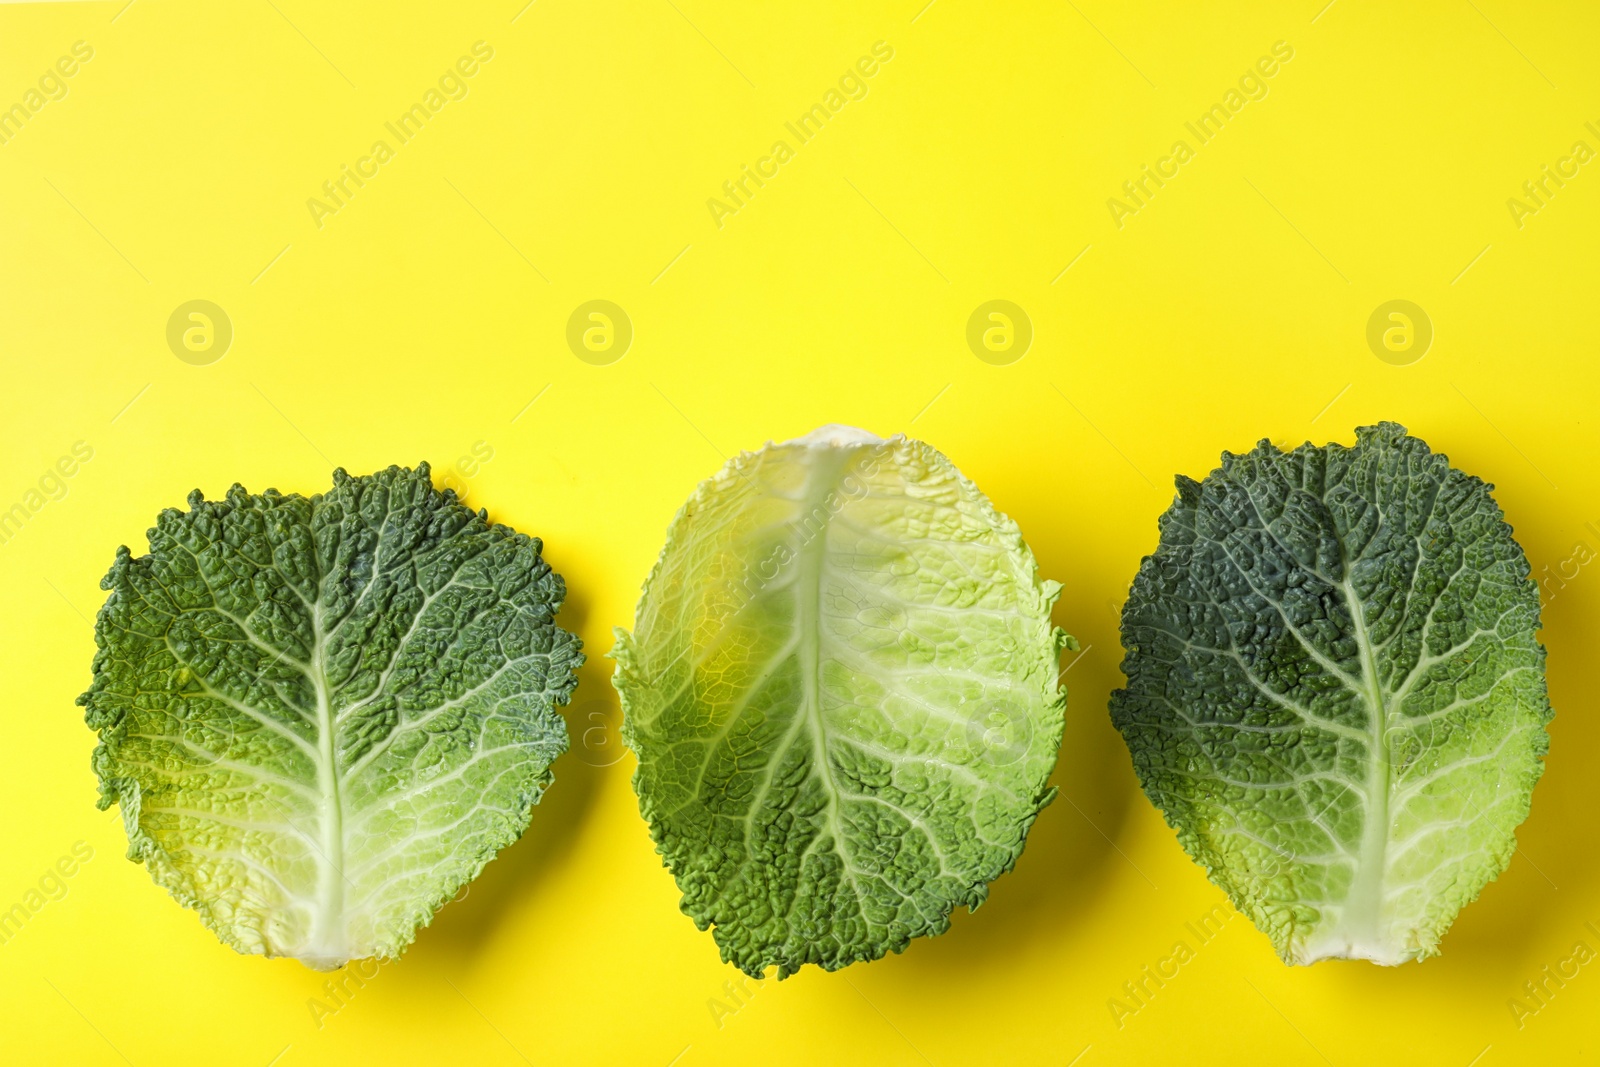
328	934
1362	920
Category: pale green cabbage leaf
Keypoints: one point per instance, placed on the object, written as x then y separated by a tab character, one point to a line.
842	692
1335	692
321	717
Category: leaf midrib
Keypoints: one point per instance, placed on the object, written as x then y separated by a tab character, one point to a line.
826	465
327	933
1363	904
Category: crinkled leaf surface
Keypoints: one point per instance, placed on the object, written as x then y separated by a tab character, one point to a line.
842	693
1335	692
321	717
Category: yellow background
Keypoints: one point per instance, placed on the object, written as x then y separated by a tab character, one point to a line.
425	315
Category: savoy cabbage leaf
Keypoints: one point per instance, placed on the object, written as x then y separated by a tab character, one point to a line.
842	692
1335	692
321	717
